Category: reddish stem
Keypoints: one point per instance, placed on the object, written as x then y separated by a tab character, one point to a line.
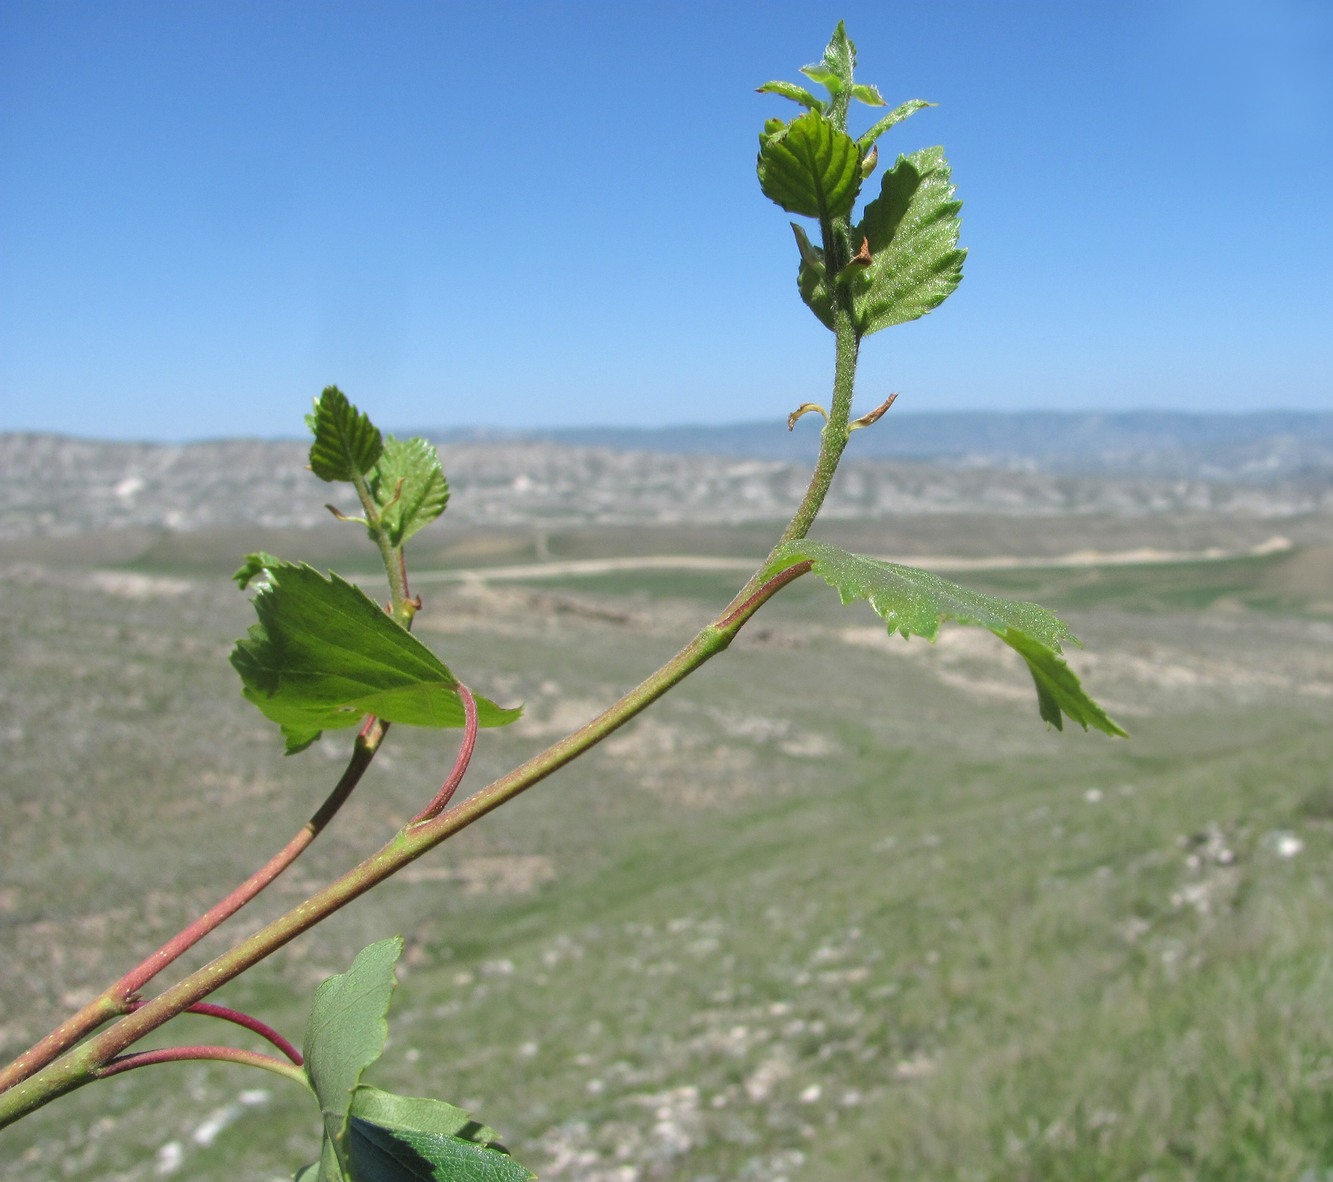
81	1066
469	744
208	1009
225	908
775	584
119	998
184	1054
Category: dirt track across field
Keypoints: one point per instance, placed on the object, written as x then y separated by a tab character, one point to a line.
1081	558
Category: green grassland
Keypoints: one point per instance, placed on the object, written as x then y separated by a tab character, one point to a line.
840	908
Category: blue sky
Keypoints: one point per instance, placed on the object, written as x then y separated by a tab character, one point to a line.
535	214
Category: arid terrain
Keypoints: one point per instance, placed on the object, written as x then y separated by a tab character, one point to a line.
841	907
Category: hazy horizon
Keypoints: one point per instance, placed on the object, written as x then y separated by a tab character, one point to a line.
776	426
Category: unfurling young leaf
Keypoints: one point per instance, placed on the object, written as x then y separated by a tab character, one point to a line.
811	279
324	655
914	603
789	90
835	70
409	487
892	119
811	168
347	444
818	72
869	95
254	565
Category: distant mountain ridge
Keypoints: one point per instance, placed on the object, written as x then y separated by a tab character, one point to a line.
1272	465
1259	446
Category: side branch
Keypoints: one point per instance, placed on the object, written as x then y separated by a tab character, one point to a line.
460	767
190	1054
248	1022
119	998
88	1061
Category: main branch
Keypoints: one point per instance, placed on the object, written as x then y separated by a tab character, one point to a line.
89	1060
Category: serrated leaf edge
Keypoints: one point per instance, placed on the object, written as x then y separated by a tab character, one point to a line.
1086	712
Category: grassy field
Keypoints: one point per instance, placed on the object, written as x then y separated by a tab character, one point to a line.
839	908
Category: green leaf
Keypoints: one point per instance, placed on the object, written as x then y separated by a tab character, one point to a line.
255	564
324	655
839	62
380	1154
347	444
892	119
811	255
789	90
409	487
1058	689
869	95
393	1138
421	1115
911	229
344	1036
811	168
914	603
818	72
811	278
327	1169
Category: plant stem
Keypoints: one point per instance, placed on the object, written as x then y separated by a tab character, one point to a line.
464	758
119	998
401	606
190	1054
30	1088
833	437
249	1022
751	603
84	1063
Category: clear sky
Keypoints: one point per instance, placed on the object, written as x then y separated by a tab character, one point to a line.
536	214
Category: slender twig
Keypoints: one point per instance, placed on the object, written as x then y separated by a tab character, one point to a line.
833	438
80	1066
208	1009
225	908
119	998
407	591
123	1063
465	750
401	607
